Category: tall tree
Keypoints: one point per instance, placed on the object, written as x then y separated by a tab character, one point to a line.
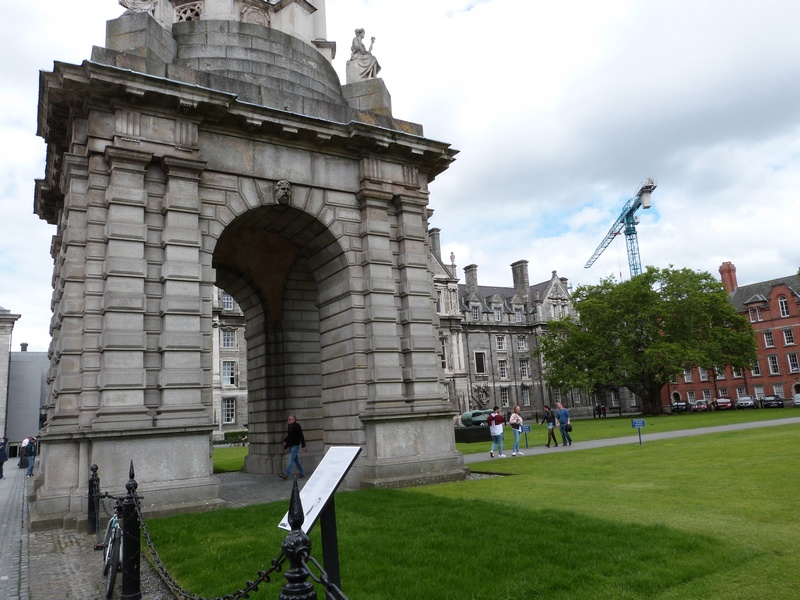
638	333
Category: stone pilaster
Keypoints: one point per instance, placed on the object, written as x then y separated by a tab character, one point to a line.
384	372
422	374
182	341
121	380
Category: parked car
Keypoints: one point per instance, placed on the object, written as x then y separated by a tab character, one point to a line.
772	402
796	401
680	406
746	402
701	406
724	403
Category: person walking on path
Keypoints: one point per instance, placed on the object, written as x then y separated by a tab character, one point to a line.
550	419
515	420
495	423
563	419
3	454
30	454
294	440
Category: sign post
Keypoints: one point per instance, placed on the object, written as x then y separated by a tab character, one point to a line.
526	429
638	424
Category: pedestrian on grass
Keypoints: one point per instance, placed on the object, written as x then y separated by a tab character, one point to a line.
3	454
550	419
294	441
563	419
495	423
515	420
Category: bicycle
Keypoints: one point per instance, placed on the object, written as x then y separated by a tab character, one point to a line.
112	547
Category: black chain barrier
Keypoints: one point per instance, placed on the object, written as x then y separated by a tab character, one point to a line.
175	588
334	593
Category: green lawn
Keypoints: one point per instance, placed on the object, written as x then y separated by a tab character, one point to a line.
229	458
706	517
613	427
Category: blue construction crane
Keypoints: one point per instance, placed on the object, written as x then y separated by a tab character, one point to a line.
627	221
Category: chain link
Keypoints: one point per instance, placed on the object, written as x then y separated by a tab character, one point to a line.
182	594
333	591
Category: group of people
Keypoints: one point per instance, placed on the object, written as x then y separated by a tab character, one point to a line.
27	455
561	419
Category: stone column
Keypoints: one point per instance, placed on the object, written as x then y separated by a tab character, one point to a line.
7	321
384	375
121	380
181	342
421	367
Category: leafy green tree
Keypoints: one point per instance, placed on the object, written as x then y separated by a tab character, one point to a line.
638	333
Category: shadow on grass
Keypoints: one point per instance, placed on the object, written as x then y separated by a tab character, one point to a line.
395	544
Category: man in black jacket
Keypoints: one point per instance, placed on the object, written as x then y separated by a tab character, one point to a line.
294	440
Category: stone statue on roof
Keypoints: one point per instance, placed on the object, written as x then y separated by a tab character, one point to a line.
135	6
368	66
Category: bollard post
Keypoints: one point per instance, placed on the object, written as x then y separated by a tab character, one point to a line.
93	516
131	548
296	546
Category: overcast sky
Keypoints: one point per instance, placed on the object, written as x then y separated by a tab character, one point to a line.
559	110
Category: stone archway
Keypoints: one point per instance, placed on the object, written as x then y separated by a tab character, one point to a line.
307	206
273	279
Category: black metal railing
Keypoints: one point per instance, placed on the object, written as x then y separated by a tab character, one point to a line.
296	548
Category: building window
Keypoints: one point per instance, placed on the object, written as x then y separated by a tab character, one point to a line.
794	366
758	391
557	395
475	313
523	368
738	372
614	399
723	392
774	369
522	343
443	345
703	374
497	314
502	366
784	306
228	372
480	362
769	341
526	396
439	302
756	370
707	394
518	315
777	389
229	338
740	391
788	337
504	396
228	411
501	342
687	376
690	396
227	301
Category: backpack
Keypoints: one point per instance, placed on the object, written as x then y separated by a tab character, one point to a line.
30	449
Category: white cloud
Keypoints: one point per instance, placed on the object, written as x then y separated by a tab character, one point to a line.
559	110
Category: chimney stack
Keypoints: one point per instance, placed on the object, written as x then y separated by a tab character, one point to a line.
436	248
471	278
522	286
728	273
23	347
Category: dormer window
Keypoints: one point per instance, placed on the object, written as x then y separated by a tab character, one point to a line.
497	314
475	313
783	303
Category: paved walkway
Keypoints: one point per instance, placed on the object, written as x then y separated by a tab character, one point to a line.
64	566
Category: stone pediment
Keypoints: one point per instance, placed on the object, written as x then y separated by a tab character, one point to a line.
755	298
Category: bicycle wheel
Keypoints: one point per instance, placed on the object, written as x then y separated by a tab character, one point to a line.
113	562
107	544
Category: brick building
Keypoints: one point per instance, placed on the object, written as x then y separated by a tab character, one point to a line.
773	308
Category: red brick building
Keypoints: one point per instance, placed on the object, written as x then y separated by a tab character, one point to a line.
773	307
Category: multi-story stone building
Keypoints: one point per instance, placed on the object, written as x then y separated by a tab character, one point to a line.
230	365
489	336
773	307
